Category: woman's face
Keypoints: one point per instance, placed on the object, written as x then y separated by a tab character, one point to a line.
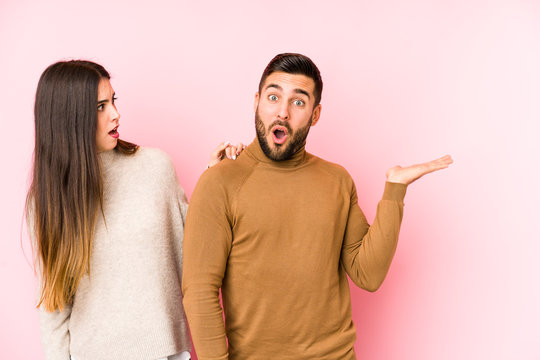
107	117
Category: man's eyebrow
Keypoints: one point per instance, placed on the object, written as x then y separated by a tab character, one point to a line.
273	86
302	91
298	91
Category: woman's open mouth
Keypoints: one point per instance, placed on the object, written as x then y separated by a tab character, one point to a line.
114	132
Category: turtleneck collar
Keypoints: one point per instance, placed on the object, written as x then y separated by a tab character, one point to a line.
256	152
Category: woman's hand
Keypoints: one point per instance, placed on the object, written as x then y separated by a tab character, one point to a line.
225	149
408	174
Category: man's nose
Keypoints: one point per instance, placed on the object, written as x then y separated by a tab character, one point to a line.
283	113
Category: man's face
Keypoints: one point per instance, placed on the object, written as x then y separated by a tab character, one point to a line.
284	113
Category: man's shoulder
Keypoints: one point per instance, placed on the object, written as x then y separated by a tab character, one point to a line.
331	168
228	173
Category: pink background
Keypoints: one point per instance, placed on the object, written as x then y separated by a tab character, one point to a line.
405	81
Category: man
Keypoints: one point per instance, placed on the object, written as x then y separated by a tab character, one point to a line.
277	231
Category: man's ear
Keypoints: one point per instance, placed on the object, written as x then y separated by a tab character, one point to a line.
256	102
316	115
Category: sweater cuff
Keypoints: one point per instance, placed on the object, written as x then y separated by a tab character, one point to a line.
394	191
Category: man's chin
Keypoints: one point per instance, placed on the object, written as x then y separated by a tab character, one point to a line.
280	154
274	151
277	147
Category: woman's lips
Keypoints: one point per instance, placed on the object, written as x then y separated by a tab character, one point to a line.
114	133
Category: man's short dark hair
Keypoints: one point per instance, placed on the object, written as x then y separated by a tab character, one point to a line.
292	63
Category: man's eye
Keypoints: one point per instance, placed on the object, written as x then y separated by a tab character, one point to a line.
272	97
299	102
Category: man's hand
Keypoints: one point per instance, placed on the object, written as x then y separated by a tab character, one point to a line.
409	174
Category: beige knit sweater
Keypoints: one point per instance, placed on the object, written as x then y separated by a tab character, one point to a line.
130	307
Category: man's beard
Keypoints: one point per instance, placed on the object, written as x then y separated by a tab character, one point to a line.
281	152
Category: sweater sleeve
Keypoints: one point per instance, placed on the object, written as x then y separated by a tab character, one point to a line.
207	243
182	201
55	333
368	251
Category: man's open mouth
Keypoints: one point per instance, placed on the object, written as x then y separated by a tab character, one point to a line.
279	134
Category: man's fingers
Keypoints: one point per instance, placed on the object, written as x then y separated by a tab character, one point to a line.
441	163
409	174
447	159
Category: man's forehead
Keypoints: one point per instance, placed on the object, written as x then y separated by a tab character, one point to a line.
288	81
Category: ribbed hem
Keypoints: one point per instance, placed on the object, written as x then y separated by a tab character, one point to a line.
394	191
155	347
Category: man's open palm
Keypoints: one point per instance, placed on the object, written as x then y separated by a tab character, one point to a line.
406	175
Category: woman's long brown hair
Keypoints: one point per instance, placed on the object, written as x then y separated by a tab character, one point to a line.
67	188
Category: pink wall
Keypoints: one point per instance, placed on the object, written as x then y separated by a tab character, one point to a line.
405	81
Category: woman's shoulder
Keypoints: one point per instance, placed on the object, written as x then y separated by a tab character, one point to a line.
144	156
153	160
151	153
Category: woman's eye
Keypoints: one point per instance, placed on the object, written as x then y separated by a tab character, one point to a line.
100	107
299	103
273	98
114	99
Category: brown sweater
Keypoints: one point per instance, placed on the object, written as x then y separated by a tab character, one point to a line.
278	238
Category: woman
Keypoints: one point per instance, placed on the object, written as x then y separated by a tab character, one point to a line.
107	219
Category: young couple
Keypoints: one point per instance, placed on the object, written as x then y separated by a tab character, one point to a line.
277	231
